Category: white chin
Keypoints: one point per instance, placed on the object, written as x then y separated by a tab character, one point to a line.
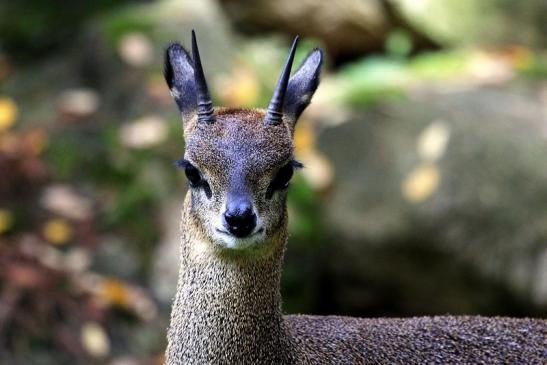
232	242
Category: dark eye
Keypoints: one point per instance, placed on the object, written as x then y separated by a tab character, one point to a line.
282	178
193	175
195	180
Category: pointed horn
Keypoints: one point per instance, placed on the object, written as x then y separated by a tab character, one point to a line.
275	109
205	105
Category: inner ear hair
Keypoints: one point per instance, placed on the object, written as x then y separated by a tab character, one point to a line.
302	85
179	74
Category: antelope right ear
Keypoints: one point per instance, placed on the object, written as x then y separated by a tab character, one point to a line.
302	85
179	74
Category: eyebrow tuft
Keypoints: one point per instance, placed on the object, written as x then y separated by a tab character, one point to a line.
182	163
296	164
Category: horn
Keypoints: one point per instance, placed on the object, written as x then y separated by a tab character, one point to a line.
205	105
275	109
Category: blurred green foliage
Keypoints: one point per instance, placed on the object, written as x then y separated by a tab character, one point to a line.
30	28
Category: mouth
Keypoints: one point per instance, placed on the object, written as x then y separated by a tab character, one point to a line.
255	233
230	241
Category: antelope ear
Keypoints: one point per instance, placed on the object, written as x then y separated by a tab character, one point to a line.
302	86
179	74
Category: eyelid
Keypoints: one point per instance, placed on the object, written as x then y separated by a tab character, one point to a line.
182	163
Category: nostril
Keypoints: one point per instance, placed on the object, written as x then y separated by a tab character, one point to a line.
240	225
239	217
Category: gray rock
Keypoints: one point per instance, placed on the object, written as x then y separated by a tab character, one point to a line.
477	242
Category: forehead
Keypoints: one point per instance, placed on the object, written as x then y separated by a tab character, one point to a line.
239	138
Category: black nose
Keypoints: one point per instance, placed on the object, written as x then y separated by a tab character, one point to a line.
239	217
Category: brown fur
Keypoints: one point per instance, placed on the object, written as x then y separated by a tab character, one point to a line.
421	340
227	308
228	305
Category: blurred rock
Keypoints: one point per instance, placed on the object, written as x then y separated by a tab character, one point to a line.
64	200
95	340
348	28
479	22
136	50
125	360
144	133
543	94
540	284
473	206
78	103
77	260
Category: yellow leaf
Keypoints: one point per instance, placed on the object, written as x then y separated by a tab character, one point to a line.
6	220
94	340
304	137
57	231
241	89
8	113
422	182
36	140
319	172
116	292
522	57
433	140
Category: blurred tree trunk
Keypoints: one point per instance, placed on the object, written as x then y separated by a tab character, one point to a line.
348	28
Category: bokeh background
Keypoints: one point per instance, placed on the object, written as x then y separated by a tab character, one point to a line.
424	192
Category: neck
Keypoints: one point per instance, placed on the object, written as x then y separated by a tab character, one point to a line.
227	308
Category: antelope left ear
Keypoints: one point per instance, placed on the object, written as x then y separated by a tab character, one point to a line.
179	75
302	86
